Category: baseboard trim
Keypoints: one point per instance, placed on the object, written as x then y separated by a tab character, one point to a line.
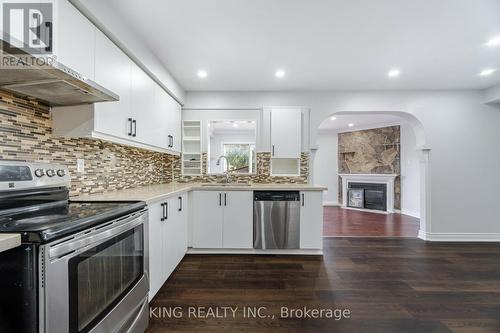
459	237
331	203
318	252
411	213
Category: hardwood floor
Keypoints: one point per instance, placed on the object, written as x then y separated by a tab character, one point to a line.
388	285
347	222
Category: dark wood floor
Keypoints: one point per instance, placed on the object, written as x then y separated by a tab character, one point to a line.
388	284
347	222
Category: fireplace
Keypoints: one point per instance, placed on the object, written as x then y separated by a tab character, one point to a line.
367	196
374	189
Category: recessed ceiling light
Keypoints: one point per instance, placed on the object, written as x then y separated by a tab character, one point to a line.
350	124
333	118
280	73
235	125
202	74
487	72
495	41
394	73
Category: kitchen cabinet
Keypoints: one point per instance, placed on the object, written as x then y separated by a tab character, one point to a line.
113	71
311	219
222	219
74	38
167	238
146	116
286	133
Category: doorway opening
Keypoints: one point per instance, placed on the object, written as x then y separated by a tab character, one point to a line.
371	163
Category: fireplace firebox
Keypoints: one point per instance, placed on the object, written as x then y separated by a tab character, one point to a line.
367	196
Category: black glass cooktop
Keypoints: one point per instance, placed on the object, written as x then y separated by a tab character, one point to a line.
44	223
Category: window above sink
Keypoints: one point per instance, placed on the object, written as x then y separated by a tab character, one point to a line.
234	139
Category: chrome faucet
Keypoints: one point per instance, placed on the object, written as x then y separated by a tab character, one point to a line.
226	173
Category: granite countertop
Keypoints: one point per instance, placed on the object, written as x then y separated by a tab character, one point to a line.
9	241
153	193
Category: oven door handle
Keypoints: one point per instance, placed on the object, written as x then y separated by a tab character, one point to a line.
99	236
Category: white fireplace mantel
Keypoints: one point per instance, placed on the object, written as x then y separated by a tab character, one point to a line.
387	179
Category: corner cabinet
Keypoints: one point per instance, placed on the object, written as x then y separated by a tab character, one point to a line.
311	220
168	239
222	219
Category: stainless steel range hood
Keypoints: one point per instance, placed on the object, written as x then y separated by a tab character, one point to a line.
56	85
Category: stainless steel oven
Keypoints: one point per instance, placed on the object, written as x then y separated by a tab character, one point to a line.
95	280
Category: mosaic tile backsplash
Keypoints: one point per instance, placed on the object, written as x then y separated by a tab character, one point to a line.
262	176
26	134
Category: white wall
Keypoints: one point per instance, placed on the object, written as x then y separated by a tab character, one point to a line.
325	170
105	18
410	173
460	130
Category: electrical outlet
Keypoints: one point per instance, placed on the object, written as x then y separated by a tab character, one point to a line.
80	165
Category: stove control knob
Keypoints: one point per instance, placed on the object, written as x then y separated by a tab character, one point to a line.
39	173
61	173
51	173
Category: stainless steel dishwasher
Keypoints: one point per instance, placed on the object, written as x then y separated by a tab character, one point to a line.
276	220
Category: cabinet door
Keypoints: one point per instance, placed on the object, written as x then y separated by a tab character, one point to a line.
159	119
238	219
143	105
207	218
156	248
311	220
74	39
170	238
182	211
176	125
112	71
286	133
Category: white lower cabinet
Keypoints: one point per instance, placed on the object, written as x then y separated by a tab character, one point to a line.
167	239
311	220
222	219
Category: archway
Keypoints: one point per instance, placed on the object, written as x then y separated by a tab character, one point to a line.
421	149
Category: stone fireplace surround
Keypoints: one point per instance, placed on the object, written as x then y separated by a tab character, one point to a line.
387	179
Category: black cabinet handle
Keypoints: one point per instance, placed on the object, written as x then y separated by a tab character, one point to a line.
303	200
273	150
180	204
166	210
172	144
48	25
130	131
220	199
162	212
135	128
225	199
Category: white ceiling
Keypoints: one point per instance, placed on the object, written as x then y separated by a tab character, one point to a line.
321	44
364	121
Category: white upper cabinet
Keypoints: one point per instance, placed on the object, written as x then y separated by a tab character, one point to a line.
143	107
145	116
176	125
74	39
286	133
113	71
